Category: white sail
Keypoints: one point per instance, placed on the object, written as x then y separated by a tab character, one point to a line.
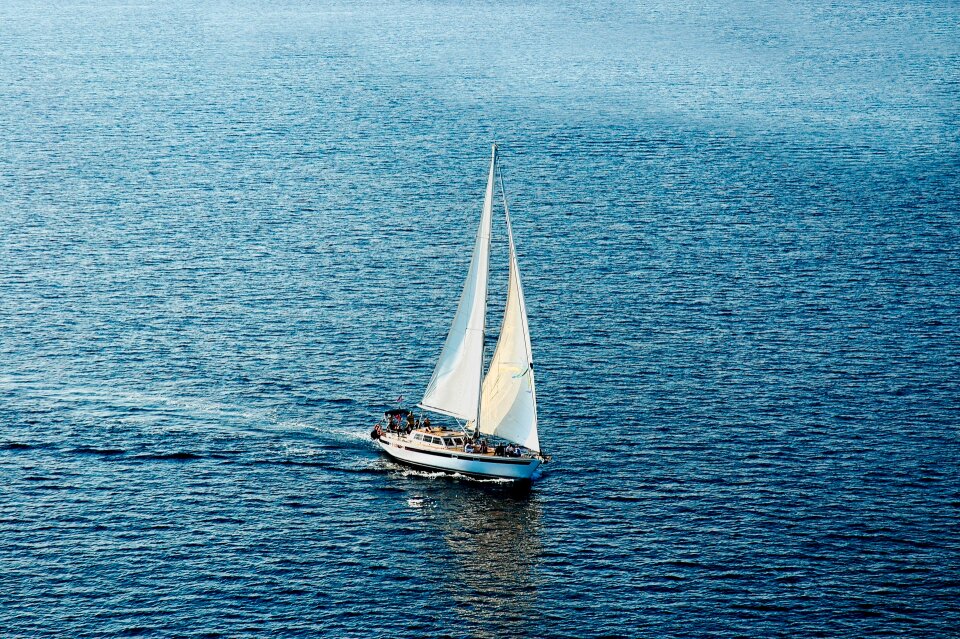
454	388
509	402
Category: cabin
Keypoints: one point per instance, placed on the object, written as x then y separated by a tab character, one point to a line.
446	439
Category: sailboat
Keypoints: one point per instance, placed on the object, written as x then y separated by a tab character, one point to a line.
496	433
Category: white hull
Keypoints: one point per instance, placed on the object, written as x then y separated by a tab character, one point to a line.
452	461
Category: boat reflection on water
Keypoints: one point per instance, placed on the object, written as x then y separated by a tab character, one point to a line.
493	536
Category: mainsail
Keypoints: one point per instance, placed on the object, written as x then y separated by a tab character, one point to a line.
509	402
454	388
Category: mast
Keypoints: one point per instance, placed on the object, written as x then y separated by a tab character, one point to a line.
483	324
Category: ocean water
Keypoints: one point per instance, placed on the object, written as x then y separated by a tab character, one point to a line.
232	233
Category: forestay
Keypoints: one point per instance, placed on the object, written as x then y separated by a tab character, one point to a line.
509	404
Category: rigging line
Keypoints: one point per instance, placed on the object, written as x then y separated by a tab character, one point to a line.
514	265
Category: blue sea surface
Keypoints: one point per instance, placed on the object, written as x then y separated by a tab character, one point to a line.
232	233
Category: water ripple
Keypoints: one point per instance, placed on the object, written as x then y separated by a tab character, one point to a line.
232	233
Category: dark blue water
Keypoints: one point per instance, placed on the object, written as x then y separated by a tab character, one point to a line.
231	233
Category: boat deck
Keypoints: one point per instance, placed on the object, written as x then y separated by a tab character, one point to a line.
447	440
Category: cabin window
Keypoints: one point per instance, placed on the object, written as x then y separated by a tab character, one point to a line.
418	437
436	440
448	442
458	441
